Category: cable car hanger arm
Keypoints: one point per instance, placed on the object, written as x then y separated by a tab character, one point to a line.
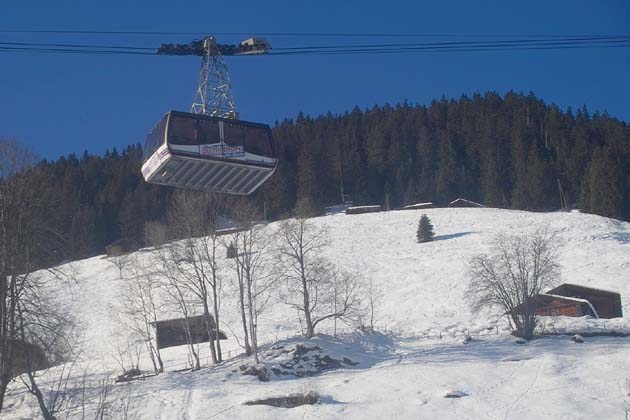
250	46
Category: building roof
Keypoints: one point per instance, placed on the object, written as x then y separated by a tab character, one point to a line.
122	241
428	203
464	201
567	298
180	318
591	290
376	206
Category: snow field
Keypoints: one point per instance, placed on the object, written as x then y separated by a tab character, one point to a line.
423	298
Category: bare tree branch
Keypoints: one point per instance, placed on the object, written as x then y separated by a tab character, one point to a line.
316	288
519	268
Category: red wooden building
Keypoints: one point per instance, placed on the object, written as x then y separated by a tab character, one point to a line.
555	305
574	300
606	304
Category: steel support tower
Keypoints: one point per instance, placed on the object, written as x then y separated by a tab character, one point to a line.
214	93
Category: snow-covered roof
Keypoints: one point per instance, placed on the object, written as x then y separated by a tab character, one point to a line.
365	207
411	206
573	299
578	286
463	200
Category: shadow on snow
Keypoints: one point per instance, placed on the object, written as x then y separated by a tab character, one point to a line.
452	236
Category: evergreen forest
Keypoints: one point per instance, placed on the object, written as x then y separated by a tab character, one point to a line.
513	151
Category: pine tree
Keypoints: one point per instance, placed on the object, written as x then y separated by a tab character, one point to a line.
425	230
231	251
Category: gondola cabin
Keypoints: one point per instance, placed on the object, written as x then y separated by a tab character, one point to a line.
209	153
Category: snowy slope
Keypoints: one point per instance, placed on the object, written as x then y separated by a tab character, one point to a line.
423	287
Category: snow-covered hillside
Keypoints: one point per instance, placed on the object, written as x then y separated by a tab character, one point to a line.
405	375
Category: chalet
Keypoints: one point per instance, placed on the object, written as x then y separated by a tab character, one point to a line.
121	247
574	300
462	202
172	332
607	304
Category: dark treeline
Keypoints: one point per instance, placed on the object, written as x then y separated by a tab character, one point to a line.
513	151
94	200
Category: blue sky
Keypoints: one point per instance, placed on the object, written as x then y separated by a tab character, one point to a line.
61	104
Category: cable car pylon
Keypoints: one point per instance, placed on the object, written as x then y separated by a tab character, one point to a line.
214	93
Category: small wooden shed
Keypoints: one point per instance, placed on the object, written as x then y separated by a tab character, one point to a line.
24	352
363	209
120	247
172	332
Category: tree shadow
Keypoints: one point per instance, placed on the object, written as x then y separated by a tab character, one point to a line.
452	236
505	350
327	399
621	237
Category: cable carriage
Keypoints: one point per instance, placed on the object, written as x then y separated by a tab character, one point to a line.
208	148
209	153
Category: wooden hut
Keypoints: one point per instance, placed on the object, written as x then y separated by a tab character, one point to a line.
27	356
574	300
173	332
607	304
121	247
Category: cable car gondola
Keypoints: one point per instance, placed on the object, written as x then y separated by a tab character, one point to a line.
209	153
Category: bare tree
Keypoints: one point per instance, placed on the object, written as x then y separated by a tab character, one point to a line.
180	296
50	337
317	289
57	396
101	400
243	216
103	403
14	199
25	242
255	280
137	308
240	288
517	270
193	260
121	262
373	298
128	346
